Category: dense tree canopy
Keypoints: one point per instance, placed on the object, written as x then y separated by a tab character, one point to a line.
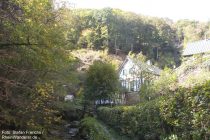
125	31
189	31
159	39
101	82
34	63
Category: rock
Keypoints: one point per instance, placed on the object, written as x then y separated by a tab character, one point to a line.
72	124
152	136
67	125
72	128
75	124
55	132
73	131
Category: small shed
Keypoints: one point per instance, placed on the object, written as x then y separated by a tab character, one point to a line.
69	98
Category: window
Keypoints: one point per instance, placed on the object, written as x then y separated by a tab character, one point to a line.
132	85
135	85
123	72
123	83
138	84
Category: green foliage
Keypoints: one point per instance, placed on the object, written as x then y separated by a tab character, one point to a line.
157	38
142	121
101	82
194	70
171	137
183	114
147	92
187	110
116	29
189	30
34	65
166	82
161	85
139	56
194	79
93	130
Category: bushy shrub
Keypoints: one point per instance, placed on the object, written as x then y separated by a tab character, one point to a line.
188	111
184	113
166	82
139	121
93	130
101	82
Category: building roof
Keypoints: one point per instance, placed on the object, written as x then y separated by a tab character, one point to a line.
150	68
202	46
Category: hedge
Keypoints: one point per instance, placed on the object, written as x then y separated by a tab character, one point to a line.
135	121
184	113
188	111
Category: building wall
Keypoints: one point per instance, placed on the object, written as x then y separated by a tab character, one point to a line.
129	77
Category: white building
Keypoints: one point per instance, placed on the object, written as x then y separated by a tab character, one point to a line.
130	73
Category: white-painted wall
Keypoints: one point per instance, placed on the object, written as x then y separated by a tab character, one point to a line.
129	78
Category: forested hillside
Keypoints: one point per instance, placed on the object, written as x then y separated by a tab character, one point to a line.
189	30
161	40
125	31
